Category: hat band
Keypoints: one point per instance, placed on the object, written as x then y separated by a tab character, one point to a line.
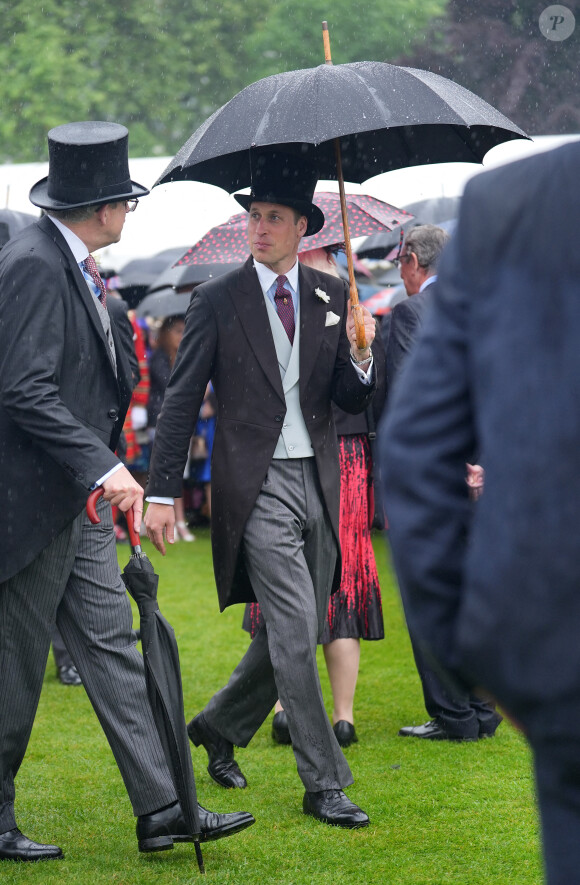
75	193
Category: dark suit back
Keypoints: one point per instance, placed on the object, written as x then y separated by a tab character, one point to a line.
497	369
62	407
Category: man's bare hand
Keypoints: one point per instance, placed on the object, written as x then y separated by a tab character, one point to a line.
370	328
160	524
124	492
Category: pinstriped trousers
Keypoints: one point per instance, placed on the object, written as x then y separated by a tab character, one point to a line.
290	554
76	581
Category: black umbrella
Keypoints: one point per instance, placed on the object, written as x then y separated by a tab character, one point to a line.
144	271
182	276
164	303
162	674
432	210
11	222
386	117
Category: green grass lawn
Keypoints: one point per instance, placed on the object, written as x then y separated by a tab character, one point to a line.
440	813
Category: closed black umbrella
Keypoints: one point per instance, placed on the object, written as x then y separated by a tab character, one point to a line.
385	116
162	674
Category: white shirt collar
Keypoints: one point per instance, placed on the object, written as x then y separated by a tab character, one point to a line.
75	244
267	277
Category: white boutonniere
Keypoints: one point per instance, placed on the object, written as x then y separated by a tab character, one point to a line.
322	295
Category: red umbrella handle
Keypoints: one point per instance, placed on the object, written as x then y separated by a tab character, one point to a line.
95	518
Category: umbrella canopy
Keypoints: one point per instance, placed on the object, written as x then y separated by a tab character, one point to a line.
228	242
442	211
11	222
162	674
186	276
164	303
386	117
382	302
143	271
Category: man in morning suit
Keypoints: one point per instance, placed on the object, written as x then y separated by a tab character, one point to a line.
493	590
456	715
275	340
65	385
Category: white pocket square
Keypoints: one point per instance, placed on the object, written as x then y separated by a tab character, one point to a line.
331	319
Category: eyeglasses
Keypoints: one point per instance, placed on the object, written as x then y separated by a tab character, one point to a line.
131	205
397	261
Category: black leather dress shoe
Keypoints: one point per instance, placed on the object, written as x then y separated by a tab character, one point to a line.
433	731
333	807
345	733
222	767
14	845
280	730
69	675
160	829
488	727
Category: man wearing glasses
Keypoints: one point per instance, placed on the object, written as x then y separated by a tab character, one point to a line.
455	715
65	385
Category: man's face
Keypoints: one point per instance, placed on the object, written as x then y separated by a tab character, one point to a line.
274	235
115	220
412	275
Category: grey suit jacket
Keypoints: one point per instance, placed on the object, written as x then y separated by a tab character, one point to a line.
228	339
61	405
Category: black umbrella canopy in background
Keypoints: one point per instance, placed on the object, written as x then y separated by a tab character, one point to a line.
12	222
386	117
143	271
433	210
186	276
164	303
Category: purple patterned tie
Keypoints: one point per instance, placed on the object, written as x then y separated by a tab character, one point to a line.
91	266
285	307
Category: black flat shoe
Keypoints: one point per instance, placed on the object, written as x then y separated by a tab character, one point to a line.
280	730
222	767
432	731
14	845
160	829
345	733
69	675
333	807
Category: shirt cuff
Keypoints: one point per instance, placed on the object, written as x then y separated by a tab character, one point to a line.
154	499
103	479
365	376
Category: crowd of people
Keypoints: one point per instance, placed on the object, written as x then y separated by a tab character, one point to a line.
268	396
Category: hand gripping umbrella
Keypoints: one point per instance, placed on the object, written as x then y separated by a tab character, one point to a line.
385	117
162	674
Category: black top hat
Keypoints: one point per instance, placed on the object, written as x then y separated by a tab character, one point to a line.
88	163
282	178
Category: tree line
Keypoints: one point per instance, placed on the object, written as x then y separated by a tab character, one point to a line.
162	66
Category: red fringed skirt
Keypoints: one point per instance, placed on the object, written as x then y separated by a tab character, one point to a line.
355	610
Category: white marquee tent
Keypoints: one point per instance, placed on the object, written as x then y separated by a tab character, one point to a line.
180	213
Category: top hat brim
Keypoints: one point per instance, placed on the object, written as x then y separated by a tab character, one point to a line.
38	196
314	215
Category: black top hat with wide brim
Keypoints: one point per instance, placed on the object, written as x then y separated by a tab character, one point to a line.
278	177
88	164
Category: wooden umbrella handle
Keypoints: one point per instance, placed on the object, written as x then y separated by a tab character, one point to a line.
95	518
361	341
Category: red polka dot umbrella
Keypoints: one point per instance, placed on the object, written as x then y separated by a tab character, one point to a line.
228	242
